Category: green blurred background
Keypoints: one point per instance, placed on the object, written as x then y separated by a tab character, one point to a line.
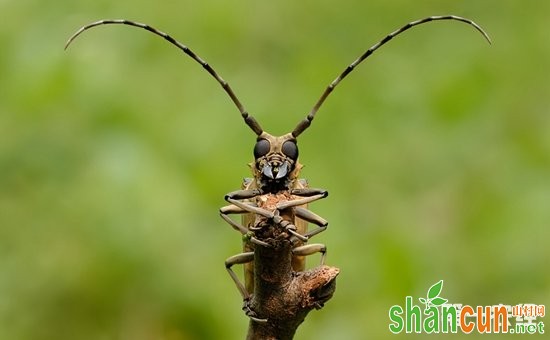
115	156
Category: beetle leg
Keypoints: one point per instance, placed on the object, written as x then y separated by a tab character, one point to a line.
297	235
250	312
242	258
301	201
232	209
310	216
291	228
310	249
239	227
243	194
307	192
235	198
250	208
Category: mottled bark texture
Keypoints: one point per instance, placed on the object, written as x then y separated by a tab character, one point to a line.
282	296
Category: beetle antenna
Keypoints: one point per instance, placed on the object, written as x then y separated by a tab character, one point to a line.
306	122
249	120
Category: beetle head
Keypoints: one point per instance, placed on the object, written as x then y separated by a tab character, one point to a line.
275	160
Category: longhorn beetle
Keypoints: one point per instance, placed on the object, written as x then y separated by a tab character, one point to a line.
275	196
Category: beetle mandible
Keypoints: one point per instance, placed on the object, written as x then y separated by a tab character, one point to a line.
275	195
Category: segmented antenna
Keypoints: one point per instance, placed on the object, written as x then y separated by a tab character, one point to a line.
249	120
306	122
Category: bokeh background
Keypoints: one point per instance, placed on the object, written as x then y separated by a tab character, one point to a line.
115	156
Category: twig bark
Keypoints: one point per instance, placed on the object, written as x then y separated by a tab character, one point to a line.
282	296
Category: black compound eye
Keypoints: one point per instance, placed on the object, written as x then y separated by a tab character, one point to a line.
261	148
290	149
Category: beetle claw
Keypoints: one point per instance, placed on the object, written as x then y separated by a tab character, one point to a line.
248	311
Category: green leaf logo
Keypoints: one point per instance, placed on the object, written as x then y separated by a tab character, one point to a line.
435	290
432	298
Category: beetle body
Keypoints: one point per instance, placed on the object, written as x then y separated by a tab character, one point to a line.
274	205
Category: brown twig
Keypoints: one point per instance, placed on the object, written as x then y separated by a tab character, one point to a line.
282	296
